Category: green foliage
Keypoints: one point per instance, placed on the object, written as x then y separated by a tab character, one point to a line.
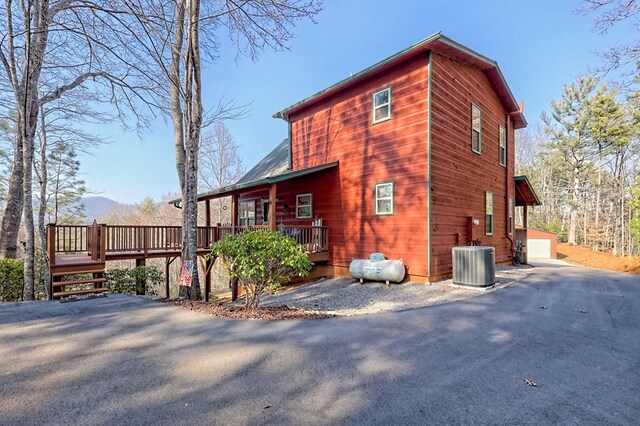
65	185
556	226
139	280
262	260
11	279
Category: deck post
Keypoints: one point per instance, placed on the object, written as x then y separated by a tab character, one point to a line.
207	213
272	207
234	213
141	283
167	264
95	243
51	244
145	240
102	238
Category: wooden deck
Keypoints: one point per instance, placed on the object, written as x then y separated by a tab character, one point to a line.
85	249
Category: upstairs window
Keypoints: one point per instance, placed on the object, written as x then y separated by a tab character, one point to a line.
476	129
381	105
489	213
304	206
502	146
384	198
247	213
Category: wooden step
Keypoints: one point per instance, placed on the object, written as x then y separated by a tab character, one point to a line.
77	292
80	271
87	281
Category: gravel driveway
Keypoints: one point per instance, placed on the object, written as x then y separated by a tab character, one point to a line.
346	296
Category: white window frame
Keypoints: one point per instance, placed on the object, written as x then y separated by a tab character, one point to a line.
298	206
474	108
502	146
376	107
391	198
488	213
242	210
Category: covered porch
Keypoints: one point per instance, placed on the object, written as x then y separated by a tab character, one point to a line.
281	202
525	197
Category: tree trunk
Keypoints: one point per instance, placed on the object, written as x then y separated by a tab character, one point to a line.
43	203
13	210
573	218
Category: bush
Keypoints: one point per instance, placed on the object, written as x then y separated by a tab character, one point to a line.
11	280
139	280
262	260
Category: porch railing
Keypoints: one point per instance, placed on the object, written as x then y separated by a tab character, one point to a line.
98	240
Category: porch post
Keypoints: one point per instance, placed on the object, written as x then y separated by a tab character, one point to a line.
234	212
207	268
525	224
272	207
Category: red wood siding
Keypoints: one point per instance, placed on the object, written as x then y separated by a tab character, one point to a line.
340	129
460	177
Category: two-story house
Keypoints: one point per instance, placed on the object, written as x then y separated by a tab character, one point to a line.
409	157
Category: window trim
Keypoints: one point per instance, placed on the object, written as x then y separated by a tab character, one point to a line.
486	212
502	146
479	151
374	106
240	203
298	206
392	198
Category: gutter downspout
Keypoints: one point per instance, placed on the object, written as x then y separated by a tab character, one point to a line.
508	184
429	87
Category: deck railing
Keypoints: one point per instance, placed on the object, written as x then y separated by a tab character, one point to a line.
98	240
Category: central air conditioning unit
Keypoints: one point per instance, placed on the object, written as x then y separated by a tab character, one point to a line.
474	266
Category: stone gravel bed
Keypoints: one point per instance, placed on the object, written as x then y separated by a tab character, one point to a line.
346	296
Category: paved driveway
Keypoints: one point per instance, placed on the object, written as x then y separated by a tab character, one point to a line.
123	360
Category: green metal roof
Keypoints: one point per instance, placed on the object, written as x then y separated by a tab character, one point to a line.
437	42
274	163
525	194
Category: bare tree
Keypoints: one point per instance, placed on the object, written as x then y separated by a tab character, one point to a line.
184	34
608	14
220	165
47	50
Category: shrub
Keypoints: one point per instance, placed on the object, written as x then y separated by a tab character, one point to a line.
139	280
11	280
262	260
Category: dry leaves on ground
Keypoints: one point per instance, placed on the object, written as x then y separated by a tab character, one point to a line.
240	312
597	259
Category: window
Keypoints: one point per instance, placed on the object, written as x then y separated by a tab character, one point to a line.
247	213
502	148
303	206
382	105
489	213
384	198
476	129
511	224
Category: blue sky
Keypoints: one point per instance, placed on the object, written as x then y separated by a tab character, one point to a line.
539	45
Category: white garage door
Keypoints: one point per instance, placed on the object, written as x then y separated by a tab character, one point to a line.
540	249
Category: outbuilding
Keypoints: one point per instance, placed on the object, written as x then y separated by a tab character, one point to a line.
541	244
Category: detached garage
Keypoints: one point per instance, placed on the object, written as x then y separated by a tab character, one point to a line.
541	244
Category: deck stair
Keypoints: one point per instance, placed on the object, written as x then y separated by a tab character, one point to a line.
93	283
